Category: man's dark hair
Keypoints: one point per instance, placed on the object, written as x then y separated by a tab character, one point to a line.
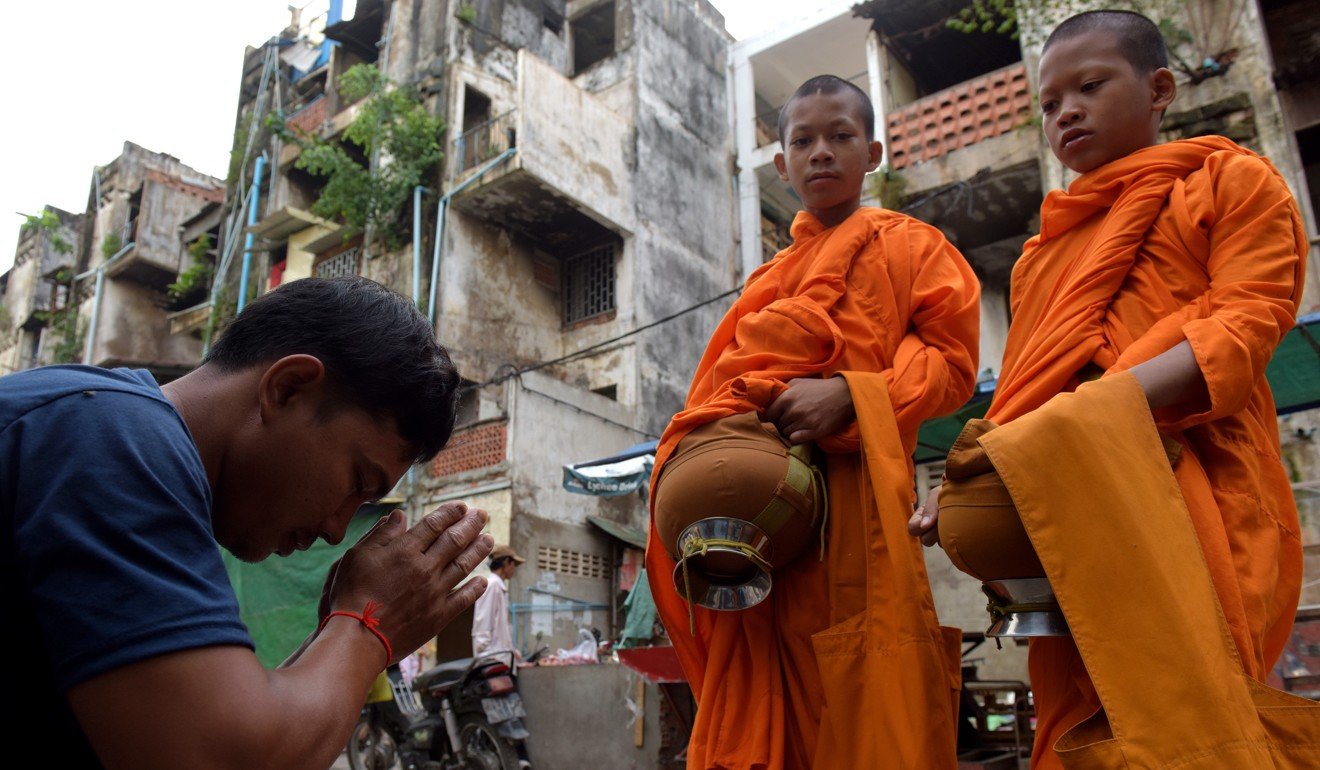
828	85
1139	40
379	352
500	561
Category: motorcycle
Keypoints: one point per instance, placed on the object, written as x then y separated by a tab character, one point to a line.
460	715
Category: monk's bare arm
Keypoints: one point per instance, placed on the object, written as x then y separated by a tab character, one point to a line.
1173	378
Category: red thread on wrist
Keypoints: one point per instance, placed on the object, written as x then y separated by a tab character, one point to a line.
369	621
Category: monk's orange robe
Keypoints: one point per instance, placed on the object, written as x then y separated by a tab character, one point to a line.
1091	480
844	664
1197	240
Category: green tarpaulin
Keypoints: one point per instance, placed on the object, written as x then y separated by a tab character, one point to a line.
640	614
277	598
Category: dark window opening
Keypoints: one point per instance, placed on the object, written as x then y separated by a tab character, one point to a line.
589	283
361	34
918	37
304	188
552	15
1308	145
475	144
307	90
608	391
129	232
593	36
476	108
359	41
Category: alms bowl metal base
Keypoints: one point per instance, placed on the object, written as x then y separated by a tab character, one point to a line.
1023	608
719	570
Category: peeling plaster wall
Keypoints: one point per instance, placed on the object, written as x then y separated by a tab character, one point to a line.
492	310
21	291
574	142
685	231
132	331
544	435
501	28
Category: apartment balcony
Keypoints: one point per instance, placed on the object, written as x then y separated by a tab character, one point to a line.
567	180
47	296
992	105
164	203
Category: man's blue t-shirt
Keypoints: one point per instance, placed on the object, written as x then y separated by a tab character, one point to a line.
107	546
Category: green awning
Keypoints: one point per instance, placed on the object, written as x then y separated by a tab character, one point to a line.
1293	374
936	436
632	536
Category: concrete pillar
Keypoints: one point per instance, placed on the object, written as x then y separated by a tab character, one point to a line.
877	71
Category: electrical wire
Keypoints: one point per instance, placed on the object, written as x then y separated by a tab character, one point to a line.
517	372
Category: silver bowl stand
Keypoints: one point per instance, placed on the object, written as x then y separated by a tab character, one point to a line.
716	594
1023	607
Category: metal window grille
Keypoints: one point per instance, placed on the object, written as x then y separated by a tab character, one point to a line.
589	284
347	262
563	561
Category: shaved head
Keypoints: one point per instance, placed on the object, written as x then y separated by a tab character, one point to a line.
829	85
1139	40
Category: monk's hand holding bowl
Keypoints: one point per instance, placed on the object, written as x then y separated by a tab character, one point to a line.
812	408
925	519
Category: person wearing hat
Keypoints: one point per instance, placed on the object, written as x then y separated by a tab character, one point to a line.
491	629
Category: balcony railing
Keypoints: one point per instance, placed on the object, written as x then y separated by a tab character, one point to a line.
482	143
979	109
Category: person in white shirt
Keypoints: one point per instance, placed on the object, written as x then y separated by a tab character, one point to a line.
491	629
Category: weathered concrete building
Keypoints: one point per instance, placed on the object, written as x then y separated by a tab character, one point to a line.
584	195
132	252
33	288
100	288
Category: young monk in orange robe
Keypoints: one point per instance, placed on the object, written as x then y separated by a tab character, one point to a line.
1181	263
851	337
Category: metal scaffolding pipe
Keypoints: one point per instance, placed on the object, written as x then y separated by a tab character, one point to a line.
96	297
247	239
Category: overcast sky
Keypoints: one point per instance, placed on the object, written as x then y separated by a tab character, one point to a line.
88	75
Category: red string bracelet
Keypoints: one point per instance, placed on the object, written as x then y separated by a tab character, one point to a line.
368	621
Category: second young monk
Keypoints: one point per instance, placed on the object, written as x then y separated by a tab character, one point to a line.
1180	264
851	337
